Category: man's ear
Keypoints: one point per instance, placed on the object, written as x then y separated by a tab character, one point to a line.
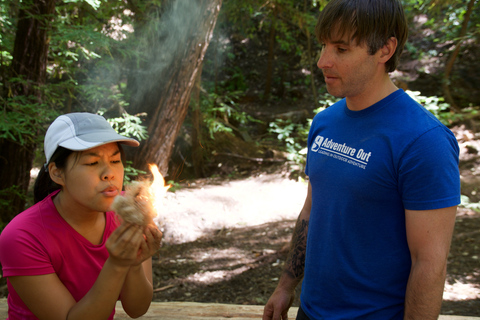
56	174
387	51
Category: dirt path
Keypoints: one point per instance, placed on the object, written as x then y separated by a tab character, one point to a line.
201	207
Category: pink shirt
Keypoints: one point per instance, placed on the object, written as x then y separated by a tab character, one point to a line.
39	241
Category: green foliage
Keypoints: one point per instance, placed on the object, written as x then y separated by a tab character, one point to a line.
236	82
131	173
174	186
437	106
294	136
83	48
76	39
442	111
130	126
7	32
289	18
92	46
465	202
24	120
94	3
220	111
444	17
325	101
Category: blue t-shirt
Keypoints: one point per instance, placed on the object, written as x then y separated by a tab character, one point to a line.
366	167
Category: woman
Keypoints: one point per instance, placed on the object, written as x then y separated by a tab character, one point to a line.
68	257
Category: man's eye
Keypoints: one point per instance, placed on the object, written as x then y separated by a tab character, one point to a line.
341	50
116	161
92	163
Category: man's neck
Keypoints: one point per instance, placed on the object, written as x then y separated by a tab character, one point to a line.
372	95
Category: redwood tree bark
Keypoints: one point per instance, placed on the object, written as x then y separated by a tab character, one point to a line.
197	120
162	87
29	64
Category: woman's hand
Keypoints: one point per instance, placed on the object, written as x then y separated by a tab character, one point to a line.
124	244
150	245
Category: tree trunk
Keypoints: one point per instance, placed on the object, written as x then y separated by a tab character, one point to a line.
310	54
198	154
453	56
271	57
163	87
29	64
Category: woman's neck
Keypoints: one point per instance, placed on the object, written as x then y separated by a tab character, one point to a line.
90	224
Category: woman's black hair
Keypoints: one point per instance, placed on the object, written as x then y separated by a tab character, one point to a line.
44	185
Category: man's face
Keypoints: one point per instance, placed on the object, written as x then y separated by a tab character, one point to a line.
348	68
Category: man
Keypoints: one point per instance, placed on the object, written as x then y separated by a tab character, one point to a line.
372	239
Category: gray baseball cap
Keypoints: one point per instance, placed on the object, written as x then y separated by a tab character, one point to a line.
80	131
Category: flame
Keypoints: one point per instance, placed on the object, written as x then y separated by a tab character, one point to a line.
158	188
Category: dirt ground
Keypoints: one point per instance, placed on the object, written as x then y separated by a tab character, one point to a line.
226	241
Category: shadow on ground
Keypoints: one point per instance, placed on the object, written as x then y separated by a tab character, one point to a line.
242	266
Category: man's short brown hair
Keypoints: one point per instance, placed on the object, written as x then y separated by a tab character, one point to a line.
371	22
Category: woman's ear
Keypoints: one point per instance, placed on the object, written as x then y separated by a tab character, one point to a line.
56	174
387	51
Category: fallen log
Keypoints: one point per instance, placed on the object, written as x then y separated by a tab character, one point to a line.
205	311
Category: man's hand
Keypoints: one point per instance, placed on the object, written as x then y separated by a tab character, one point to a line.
278	305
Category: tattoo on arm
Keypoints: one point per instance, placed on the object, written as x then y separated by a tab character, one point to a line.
295	264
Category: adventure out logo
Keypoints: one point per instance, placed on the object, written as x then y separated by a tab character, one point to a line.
341	152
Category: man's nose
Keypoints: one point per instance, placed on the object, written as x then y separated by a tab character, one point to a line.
325	60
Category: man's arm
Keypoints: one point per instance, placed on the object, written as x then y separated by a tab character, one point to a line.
295	264
429	234
281	300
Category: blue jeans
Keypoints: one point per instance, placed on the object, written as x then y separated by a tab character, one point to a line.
301	315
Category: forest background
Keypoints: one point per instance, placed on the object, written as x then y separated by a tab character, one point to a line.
213	89
201	82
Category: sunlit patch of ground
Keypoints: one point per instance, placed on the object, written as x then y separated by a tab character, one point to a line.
190	213
461	291
210	277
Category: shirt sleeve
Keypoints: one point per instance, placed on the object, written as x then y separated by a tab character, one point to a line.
429	176
22	253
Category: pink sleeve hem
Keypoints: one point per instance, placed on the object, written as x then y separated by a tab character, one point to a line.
12	272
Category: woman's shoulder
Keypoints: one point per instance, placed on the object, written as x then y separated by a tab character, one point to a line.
32	219
24	242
